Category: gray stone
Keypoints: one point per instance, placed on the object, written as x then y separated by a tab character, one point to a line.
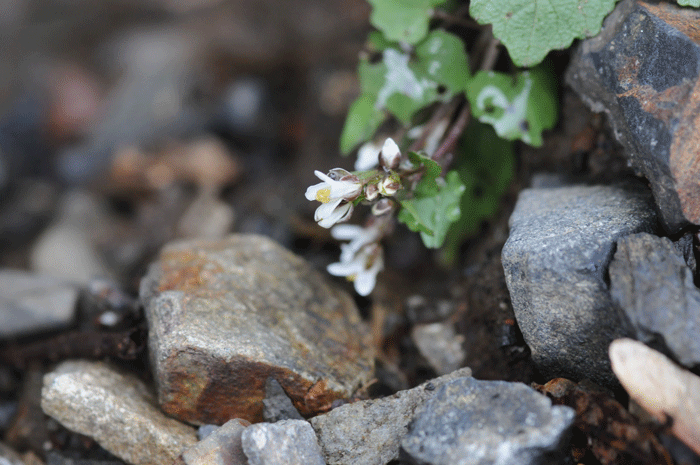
32	303
561	242
287	442
9	456
277	405
651	282
470	422
115	409
369	432
643	70
440	345
224	316
686	246
221	447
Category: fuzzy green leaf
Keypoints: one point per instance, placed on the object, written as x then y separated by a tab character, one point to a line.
362	121
531	28
432	168
403	20
693	3
486	166
519	108
434	208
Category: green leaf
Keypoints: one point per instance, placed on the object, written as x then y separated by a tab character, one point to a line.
404	84
362	121
486	166
432	168
693	3
402	20
434	208
519	108
441	56
531	28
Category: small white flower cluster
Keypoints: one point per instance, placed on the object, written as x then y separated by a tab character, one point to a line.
362	257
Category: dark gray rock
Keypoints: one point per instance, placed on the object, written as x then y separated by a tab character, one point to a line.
643	70
369	432
224	316
471	422
651	282
277	405
32	303
561	242
115	409
221	447
287	442
686	246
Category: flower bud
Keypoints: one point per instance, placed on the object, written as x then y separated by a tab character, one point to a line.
389	185
371	191
390	155
382	207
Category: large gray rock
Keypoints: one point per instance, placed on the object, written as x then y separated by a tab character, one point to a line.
471	422
287	442
224	316
651	282
32	303
643	70
369	432
115	409
561	242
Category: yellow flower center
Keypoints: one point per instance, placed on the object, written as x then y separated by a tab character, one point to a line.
323	195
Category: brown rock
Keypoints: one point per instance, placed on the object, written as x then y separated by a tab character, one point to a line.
225	315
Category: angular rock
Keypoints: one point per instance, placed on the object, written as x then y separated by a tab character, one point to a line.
33	303
561	242
222	447
651	282
224	316
369	432
116	410
643	70
477	422
440	345
287	442
661	387
277	405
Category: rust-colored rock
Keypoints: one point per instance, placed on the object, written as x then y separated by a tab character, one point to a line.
644	71
225	315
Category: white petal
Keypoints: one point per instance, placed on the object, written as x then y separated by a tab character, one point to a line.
344	268
326	209
346	232
367	156
323	177
390	152
364	283
339	213
344	189
313	190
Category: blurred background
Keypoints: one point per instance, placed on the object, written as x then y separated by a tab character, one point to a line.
125	124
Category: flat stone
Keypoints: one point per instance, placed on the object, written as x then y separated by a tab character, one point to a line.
370	431
441	346
287	442
662	388
651	282
561	242
478	422
643	70
117	410
222	447
32	303
224	316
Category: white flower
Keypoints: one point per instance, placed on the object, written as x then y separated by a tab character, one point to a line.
362	269
391	155
358	237
389	186
367	156
337	188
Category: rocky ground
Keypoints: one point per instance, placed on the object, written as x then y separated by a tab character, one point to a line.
163	294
